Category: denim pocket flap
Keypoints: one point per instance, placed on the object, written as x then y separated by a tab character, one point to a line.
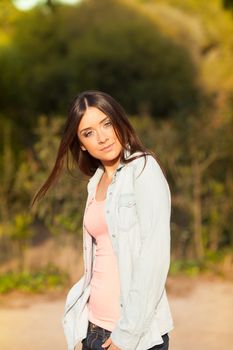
127	200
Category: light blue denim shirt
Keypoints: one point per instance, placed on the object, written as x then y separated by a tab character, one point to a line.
137	211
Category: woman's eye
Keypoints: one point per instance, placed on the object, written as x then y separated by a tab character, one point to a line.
87	134
108	123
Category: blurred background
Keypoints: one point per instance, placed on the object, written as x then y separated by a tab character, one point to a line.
169	63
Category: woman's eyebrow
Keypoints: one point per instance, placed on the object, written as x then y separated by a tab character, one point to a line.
90	126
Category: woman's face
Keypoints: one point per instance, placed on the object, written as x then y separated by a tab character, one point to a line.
97	136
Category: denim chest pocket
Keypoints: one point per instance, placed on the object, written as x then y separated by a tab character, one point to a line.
127	214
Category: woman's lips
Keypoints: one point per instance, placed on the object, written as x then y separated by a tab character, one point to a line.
108	148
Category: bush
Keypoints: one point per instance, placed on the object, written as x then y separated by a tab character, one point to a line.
49	278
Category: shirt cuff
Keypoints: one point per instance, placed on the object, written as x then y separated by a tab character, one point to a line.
124	340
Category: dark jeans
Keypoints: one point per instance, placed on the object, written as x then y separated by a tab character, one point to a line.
96	336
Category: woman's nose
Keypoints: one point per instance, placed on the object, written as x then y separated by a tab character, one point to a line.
101	136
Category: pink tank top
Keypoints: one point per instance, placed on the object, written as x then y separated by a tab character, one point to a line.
104	301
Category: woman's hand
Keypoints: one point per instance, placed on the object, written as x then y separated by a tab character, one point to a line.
109	345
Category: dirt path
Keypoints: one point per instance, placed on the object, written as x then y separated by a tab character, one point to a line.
203	317
202	310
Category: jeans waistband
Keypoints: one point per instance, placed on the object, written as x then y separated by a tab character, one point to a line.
97	329
93	328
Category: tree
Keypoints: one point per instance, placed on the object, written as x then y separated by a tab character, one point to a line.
49	64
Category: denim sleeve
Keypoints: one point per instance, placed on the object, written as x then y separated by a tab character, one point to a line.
153	203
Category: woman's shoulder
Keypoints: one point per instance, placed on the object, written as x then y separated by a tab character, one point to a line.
140	158
147	162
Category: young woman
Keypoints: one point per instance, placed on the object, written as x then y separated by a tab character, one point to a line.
120	302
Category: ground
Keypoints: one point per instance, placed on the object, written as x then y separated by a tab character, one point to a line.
202	308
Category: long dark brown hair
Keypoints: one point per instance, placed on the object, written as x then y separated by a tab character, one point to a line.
70	141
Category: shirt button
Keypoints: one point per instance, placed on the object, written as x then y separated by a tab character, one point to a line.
108	211
113	236
110	193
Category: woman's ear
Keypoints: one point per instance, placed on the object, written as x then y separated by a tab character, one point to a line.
82	148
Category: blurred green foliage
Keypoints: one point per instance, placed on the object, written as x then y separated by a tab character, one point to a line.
191	267
82	47
228	3
40	281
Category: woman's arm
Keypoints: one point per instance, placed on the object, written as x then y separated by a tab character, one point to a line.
153	203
